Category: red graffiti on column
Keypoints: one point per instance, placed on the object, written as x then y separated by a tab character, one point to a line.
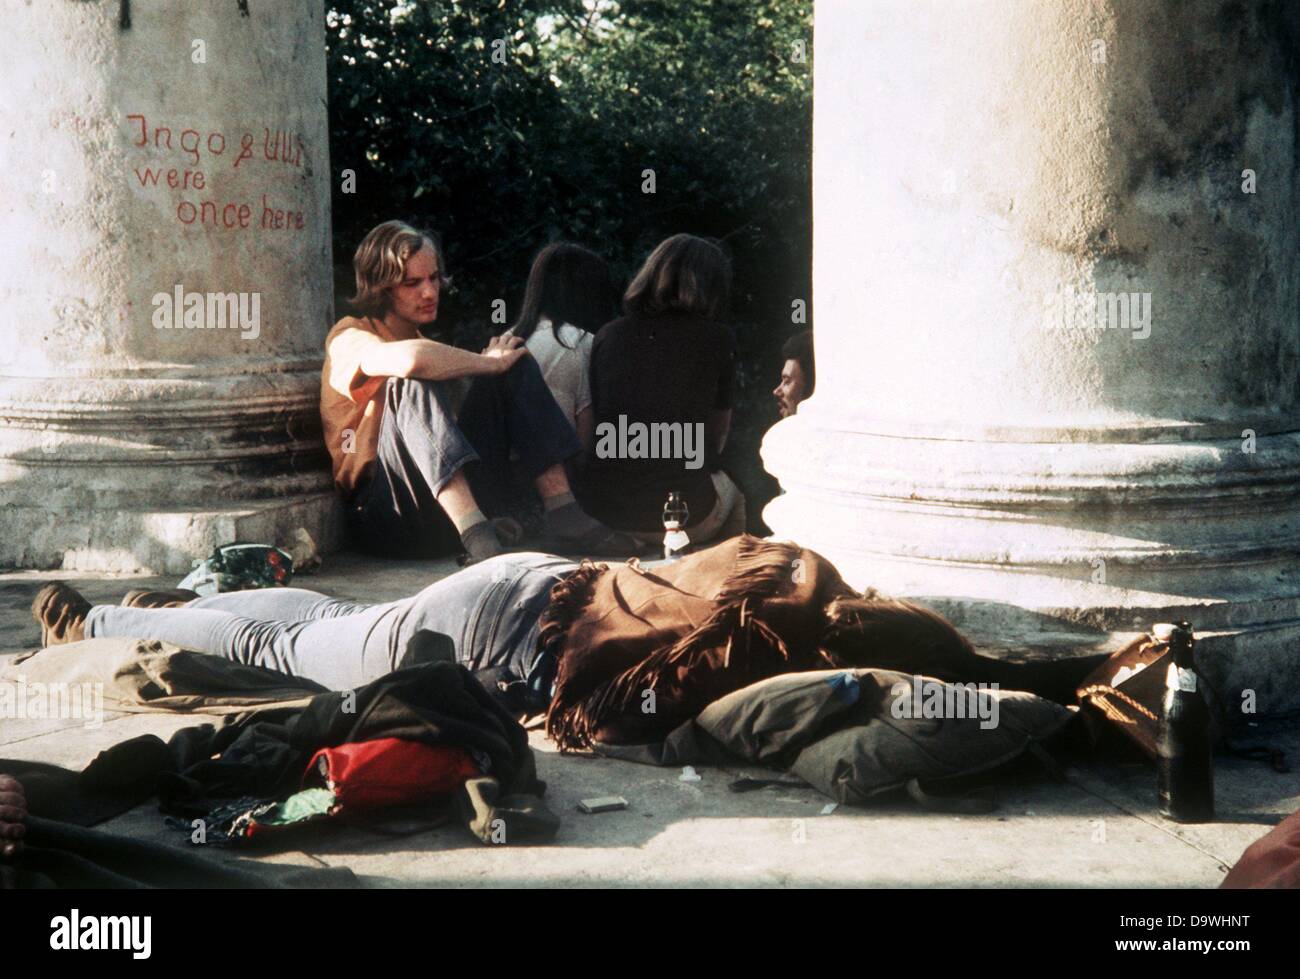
206	147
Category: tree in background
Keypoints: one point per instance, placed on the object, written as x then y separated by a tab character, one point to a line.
507	125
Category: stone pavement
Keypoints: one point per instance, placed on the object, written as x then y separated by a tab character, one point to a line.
1098	830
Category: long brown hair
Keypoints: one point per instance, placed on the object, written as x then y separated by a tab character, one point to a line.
380	262
895	634
567	284
684	274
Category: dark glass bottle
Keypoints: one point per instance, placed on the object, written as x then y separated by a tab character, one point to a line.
1185	762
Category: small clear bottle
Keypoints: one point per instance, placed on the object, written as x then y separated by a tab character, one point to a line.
676	514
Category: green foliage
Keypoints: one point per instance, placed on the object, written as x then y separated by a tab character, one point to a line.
501	158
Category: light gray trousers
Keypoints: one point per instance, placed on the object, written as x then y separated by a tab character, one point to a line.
490	610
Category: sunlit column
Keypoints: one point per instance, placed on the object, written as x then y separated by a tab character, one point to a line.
165	280
1057	280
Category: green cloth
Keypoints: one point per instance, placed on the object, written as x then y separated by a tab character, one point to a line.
840	731
299	808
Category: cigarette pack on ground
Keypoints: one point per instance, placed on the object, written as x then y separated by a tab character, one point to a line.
605	803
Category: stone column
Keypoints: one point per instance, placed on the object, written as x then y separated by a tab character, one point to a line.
165	280
982	171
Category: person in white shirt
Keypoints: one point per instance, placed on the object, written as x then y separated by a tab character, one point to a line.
570	295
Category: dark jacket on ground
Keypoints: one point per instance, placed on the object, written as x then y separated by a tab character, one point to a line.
202	770
64	855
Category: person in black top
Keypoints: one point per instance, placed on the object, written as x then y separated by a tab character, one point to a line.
661	386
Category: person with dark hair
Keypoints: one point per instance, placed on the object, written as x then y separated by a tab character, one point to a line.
661	386
570	295
404	454
798	373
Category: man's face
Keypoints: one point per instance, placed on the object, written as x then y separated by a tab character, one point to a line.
415	298
790	391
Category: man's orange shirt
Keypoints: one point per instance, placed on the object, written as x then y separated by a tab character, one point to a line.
351	401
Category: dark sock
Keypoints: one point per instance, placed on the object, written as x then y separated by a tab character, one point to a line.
480	541
567	521
557	501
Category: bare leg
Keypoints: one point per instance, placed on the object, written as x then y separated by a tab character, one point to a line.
456	499
552	482
476	533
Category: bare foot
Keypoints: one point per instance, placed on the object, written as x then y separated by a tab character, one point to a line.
61	610
13	813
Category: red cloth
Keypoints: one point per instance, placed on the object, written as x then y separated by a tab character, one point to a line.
1271	861
390	772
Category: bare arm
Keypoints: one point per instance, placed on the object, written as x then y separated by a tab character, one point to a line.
719	427
435	361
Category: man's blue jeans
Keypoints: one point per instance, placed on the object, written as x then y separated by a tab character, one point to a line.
421	447
490	610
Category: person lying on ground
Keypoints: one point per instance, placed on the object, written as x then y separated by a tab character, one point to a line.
798	375
570	295
661	388
404	453
13	815
489	609
583	644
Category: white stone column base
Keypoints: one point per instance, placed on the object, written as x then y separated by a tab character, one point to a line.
162	541
1056	549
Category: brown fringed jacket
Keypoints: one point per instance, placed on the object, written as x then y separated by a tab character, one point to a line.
642	651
